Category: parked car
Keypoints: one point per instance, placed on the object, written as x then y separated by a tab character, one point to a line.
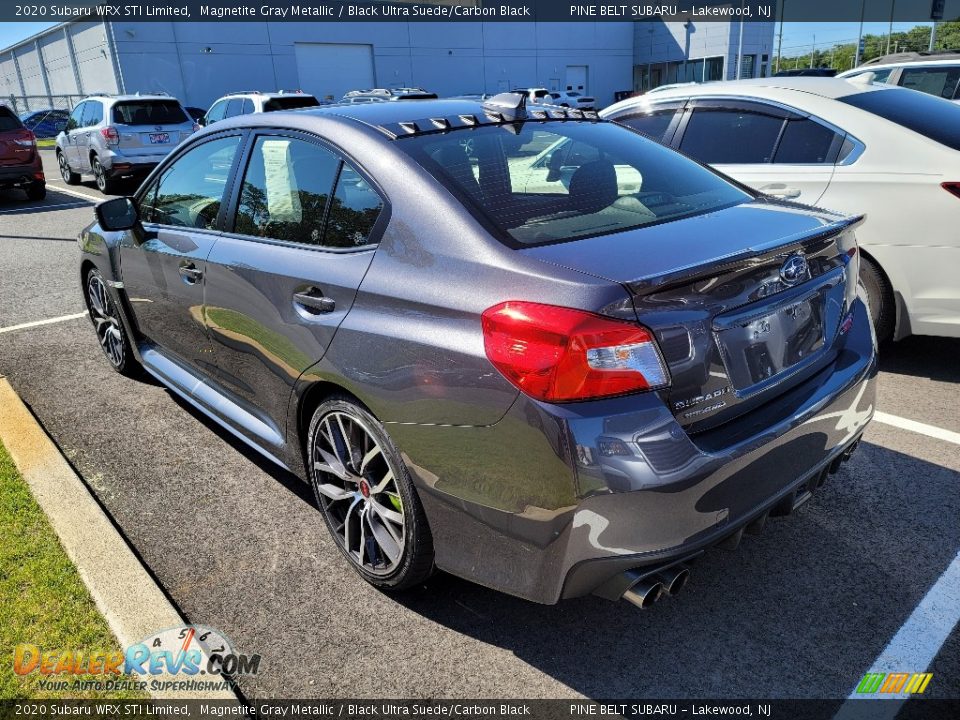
114	137
807	72
571	98
20	163
246	102
550	392
847	145
534	95
387	94
45	123
195	113
936	73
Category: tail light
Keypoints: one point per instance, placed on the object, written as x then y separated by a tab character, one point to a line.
25	139
952	187
111	135
559	354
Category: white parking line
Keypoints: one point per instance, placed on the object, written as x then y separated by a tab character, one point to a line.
917	642
77	193
41	207
48	321
917	427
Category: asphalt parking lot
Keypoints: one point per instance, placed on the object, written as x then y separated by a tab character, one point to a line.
802	610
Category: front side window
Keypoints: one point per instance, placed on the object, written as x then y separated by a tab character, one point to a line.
286	189
730	137
189	191
939	81
148	112
76	116
234	108
247	106
538	183
217	111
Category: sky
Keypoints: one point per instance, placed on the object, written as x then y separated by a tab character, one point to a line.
797	37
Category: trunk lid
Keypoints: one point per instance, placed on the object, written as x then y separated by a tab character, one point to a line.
150	126
745	302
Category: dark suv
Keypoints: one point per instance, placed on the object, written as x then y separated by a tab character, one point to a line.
20	164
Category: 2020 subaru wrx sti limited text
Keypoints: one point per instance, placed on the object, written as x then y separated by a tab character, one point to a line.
520	344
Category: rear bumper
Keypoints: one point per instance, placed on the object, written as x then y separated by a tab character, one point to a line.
557	501
28	173
117	163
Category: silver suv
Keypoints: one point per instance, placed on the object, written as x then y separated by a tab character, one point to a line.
254	101
118	136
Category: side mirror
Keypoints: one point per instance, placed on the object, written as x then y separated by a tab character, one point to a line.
119	213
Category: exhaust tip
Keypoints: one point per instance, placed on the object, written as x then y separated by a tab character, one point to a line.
674	579
644	594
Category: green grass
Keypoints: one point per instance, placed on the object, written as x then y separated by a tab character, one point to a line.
42	598
46	142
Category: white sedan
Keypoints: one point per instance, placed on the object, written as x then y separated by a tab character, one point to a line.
888	152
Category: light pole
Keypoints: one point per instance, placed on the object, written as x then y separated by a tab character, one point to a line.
893	4
856	58
783	11
813	51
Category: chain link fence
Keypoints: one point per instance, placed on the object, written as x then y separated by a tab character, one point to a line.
26	103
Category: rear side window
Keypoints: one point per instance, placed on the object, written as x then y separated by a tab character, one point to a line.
355	209
653	124
290	103
535	184
939	81
92	114
730	137
148	112
234	108
929	116
8	121
190	190
805	142
286	189
247	106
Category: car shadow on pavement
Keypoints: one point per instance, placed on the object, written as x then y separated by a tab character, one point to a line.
797	612
923	356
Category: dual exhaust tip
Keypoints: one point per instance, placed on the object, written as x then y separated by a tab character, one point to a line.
647	591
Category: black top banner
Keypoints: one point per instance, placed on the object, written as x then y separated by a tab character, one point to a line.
479	10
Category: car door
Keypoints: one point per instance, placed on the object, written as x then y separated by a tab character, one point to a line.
286	271
774	150
89	125
71	133
163	262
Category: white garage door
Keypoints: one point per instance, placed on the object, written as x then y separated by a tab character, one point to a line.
331	69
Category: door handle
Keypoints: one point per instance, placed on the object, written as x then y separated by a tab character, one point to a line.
779	190
314	301
190	273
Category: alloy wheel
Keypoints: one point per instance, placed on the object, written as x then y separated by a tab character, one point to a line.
99	176
64	168
106	320
359	493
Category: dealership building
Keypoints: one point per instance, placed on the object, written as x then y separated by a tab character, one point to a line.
198	62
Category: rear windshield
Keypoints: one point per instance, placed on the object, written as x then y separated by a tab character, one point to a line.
149	112
290	103
539	183
932	117
9	121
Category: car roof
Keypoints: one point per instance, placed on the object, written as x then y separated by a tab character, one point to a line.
920	63
832	88
124	98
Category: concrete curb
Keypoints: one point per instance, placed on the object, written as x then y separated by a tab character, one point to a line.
125	594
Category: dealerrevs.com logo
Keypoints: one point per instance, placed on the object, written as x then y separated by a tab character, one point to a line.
910	683
191	657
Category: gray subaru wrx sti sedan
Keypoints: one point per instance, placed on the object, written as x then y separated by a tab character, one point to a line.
522	345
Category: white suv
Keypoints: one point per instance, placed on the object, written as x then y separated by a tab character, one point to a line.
935	74
117	136
254	101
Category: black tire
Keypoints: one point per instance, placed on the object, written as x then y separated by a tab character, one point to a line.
883	312
108	325
69	177
37	191
105	184
414	563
